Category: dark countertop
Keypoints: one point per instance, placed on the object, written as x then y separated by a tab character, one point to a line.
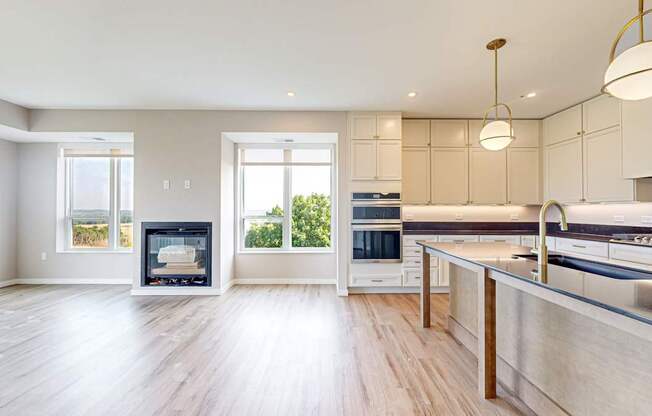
632	298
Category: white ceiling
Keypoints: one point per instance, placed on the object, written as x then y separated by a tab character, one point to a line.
335	54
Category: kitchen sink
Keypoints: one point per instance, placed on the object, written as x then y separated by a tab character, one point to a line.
595	267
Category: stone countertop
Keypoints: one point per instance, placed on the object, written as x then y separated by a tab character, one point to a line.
631	298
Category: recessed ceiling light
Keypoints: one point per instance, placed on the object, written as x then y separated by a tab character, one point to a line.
531	94
412	94
291	94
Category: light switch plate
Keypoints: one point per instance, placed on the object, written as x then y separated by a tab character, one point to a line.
459	216
186	184
513	217
646	219
619	218
166	184
44	256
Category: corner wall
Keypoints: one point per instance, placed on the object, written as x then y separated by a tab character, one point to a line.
8	209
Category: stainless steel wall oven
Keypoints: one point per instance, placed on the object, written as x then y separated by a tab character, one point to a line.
376	227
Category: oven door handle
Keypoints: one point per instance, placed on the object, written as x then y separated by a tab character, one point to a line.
372	204
375	227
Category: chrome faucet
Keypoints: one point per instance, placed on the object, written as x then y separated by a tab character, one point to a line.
542	256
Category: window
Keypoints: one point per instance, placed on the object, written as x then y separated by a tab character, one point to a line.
286	198
98	200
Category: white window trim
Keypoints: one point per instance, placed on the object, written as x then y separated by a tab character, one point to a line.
64	198
287	192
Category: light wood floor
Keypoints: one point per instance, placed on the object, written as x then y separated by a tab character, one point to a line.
258	350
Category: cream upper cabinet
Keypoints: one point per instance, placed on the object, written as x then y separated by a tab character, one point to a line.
637	138
415	186
416	133
563	171
363	159
389	160
523	178
363	126
449	170
562	126
449	133
600	113
389	126
525	131
487	176
603	180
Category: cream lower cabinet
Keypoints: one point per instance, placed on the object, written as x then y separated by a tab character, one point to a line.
603	168
487	176
563	171
523	178
449	181
415	188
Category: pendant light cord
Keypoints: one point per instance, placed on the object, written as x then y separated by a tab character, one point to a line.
496	79
641	34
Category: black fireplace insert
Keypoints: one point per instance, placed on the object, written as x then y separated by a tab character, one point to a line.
176	253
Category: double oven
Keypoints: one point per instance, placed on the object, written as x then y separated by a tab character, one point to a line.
376	227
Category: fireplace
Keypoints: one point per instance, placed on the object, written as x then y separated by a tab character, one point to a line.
176	254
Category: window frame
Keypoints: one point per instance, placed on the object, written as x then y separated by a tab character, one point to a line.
115	192
286	246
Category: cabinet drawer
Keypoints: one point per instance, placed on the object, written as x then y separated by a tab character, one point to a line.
587	248
642	255
413	261
393	280
529	241
411	240
511	239
412	251
412	277
458	239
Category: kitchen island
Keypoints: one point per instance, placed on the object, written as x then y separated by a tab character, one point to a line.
569	342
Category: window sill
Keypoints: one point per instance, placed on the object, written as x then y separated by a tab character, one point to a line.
95	252
248	252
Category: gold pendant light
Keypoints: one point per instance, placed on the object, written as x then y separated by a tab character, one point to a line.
497	134
629	75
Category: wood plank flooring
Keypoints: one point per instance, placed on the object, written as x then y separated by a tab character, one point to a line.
258	350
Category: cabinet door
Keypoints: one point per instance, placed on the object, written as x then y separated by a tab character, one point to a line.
389	160
600	113
449	179
603	181
449	133
637	139
523	179
415	180
363	159
389	126
363	126
563	163
562	126
526	132
487	176
416	133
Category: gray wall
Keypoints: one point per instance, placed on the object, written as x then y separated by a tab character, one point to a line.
178	145
8	205
37	184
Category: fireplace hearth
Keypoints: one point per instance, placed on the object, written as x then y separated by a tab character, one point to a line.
176	254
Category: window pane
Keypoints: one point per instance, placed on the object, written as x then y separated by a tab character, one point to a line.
311	206
90	204
263	190
262	155
126	202
263	233
311	155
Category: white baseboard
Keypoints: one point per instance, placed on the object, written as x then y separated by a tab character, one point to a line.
342	292
228	285
289	281
11	282
68	281
394	290
176	291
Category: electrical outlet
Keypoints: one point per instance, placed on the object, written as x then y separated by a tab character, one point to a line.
513	217
186	184
166	184
459	216
646	219
408	217
619	218
44	256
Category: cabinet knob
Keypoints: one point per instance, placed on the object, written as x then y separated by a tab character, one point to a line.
579	132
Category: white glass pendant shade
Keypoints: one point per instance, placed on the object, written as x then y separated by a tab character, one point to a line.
496	135
629	76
